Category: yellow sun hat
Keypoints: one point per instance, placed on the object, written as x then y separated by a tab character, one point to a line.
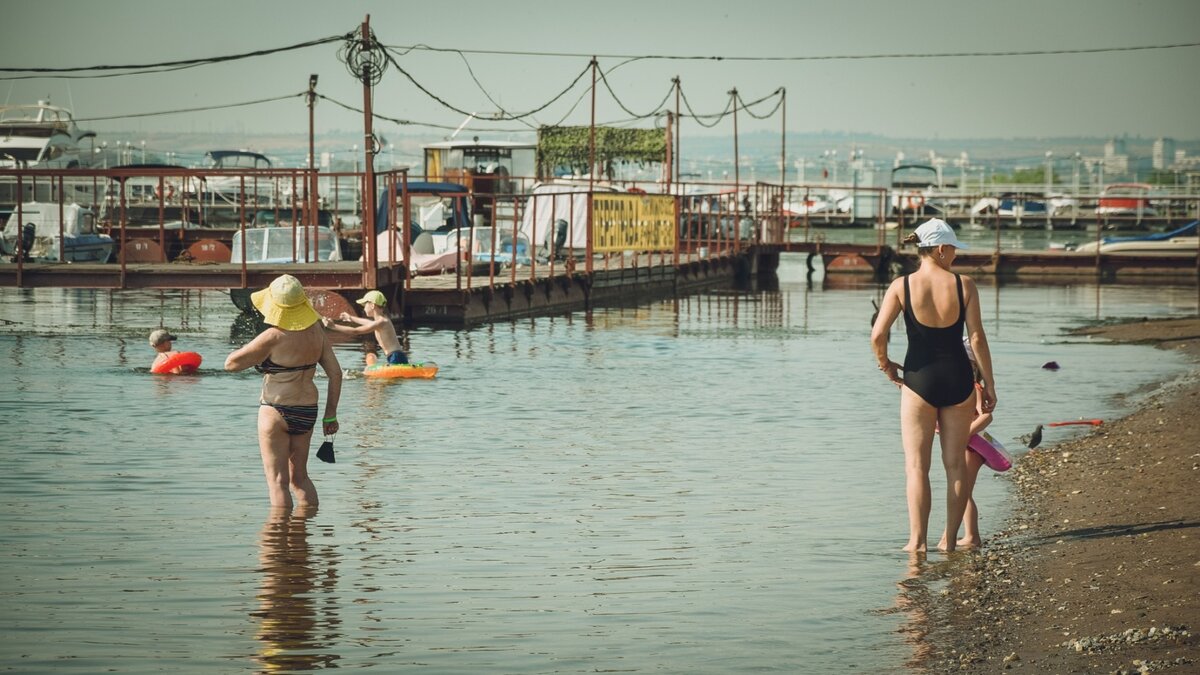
283	304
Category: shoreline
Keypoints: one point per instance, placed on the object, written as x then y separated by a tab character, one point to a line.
1097	569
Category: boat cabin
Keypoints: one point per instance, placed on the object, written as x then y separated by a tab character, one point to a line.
41	136
484	167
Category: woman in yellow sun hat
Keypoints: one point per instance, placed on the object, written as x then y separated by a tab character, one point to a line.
287	354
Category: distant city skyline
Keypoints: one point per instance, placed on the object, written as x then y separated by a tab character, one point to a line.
1023	69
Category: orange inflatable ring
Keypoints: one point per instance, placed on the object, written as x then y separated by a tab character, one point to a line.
185	362
159	193
417	371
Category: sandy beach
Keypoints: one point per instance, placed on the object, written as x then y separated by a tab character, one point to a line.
1098	569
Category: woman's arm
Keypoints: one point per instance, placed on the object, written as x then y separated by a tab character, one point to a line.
333	373
979	343
254	352
888	312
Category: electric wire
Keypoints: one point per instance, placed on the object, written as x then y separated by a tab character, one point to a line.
189	110
186	62
826	57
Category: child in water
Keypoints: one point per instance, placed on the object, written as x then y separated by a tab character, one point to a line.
161	340
971	538
377	322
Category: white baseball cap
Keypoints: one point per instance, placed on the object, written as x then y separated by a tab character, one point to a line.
935	232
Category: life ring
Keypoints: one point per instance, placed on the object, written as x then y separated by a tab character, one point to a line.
158	192
180	363
412	371
993	453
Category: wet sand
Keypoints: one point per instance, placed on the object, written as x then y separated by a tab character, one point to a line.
1098	570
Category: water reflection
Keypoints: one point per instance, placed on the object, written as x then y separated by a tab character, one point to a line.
297	611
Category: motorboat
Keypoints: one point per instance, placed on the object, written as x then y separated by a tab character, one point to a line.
435	210
290	244
238	187
1125	199
41	136
1180	241
1022	205
47	237
910	186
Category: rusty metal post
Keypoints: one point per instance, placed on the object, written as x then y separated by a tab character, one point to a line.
368	178
783	143
242	226
310	185
670	163
162	233
123	219
591	172
62	243
678	123
20	244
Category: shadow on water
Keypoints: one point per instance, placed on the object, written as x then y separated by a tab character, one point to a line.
245	327
297	614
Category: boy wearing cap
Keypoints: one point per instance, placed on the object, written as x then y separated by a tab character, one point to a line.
161	340
377	322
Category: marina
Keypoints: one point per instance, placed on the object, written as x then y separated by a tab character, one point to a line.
624	416
562	246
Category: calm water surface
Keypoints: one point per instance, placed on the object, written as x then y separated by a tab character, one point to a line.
712	484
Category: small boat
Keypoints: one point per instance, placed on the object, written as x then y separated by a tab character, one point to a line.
285	245
236	186
1126	199
1022	205
47	238
1181	241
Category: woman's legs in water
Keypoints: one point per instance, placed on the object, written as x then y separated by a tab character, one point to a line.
306	492
285	460
954	428
916	431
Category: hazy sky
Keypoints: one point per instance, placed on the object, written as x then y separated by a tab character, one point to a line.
1141	93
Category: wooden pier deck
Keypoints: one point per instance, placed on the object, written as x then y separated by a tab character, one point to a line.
441	300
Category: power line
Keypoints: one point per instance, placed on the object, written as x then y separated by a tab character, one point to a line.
187	62
188	110
827	57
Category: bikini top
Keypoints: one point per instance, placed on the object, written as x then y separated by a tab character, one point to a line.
269	367
290	385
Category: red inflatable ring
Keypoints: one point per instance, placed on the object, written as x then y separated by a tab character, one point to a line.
183	362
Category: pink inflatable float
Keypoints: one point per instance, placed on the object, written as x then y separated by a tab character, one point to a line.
993	453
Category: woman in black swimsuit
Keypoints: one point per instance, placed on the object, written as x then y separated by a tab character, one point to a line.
937	389
287	354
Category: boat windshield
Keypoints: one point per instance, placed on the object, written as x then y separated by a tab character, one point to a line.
275	244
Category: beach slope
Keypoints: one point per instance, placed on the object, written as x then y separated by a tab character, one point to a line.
1098	570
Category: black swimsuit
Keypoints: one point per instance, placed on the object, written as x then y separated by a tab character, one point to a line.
936	366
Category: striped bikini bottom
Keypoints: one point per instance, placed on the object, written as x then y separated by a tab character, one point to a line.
300	419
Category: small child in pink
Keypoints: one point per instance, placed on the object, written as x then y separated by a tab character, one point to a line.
971	538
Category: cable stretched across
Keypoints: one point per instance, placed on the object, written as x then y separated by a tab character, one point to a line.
830	57
197	109
185	62
498	117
